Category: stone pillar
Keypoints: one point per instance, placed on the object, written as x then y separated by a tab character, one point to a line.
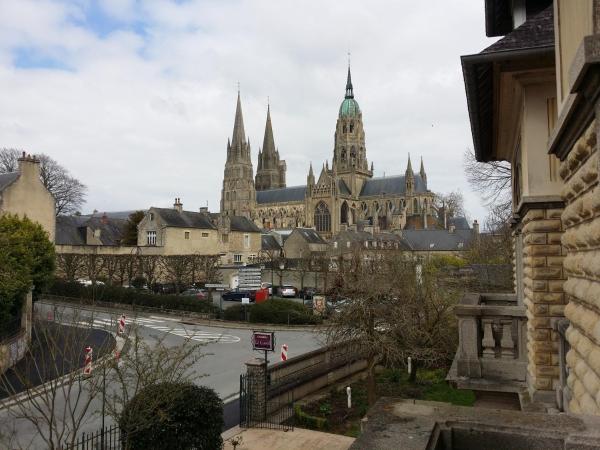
579	171
543	292
256	372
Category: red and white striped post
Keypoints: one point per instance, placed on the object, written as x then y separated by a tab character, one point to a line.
284	349
87	368
121	329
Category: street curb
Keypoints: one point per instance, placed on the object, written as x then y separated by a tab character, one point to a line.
58	382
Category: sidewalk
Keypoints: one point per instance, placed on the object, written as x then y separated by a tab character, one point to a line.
298	439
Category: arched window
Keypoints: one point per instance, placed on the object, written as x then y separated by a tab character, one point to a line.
351	127
415	206
344	213
322	218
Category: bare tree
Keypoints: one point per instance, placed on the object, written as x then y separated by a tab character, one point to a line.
149	268
492	180
177	269
47	390
69	265
69	193
393	309
452	204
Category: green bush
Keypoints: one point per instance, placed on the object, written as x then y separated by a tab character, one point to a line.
274	311
311	422
174	416
117	294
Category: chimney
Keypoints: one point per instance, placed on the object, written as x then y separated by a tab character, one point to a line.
178	206
29	167
204	209
475	227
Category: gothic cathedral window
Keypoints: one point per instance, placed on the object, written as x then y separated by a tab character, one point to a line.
322	218
344	213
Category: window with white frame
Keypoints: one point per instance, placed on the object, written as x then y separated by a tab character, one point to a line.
246	241
151	237
237	259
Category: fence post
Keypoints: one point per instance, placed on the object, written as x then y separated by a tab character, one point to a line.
256	371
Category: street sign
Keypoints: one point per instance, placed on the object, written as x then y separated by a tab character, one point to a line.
245	301
249	277
216	286
263	340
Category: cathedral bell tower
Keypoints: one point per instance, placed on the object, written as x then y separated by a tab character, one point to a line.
238	196
349	153
270	172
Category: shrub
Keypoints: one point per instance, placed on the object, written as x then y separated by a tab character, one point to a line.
117	294
174	416
308	421
275	312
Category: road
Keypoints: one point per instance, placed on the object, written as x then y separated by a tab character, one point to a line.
225	351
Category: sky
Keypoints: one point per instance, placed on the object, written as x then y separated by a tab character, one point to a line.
137	98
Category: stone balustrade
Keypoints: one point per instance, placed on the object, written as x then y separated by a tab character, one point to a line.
492	351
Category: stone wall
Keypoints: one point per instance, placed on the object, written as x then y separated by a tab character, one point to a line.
581	219
543	280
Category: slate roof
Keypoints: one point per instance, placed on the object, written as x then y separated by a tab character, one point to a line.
241	223
343	188
536	31
6	179
309	235
184	219
390	185
281	195
460	223
71	230
268	242
535	37
437	240
115	214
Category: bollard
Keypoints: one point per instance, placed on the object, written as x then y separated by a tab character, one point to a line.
349	393
87	368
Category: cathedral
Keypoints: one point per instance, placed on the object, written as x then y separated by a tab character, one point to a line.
341	197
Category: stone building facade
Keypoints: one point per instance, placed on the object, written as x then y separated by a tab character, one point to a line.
341	195
23	193
534	100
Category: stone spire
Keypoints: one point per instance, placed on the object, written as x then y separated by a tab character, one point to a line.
349	90
270	173
409	178
239	135
422	173
238	194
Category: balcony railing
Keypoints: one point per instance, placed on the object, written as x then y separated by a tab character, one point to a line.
492	351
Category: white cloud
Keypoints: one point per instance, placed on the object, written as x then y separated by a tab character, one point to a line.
143	119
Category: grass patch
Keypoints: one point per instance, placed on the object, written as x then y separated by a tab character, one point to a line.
429	385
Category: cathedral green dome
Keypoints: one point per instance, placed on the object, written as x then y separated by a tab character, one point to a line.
349	108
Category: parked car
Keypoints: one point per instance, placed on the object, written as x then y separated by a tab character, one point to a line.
288	291
307	293
200	294
238	295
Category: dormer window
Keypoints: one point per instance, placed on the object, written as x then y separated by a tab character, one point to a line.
151	216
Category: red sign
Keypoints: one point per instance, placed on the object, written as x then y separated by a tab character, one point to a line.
263	340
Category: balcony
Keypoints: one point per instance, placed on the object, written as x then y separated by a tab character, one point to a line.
492	349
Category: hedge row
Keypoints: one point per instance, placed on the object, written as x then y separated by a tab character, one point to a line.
117	294
273	311
311	422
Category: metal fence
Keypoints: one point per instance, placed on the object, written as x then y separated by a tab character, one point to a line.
260	409
104	439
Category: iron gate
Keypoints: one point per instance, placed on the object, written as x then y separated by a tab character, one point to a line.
262	406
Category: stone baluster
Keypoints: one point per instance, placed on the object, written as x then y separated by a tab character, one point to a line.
507	343
488	343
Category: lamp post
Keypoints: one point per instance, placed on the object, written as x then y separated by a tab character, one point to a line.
281	267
